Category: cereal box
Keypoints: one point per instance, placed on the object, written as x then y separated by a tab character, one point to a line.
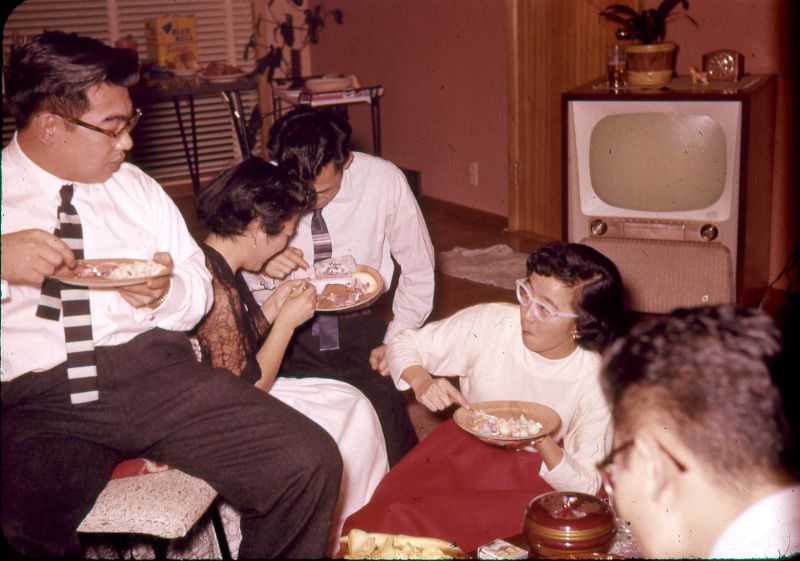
501	549
172	41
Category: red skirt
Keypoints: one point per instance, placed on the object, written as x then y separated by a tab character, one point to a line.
454	487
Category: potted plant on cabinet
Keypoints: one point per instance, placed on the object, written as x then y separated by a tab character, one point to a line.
651	62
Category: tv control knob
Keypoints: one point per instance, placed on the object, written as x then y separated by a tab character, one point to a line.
709	232
598	227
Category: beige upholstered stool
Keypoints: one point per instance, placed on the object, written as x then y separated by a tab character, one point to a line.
165	505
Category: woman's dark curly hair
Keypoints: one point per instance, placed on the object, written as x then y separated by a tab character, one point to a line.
250	190
599	295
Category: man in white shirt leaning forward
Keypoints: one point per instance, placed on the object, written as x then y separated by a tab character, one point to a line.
364	209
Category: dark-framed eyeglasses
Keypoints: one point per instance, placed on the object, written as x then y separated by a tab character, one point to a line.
126	127
608	467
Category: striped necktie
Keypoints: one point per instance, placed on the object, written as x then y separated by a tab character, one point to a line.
325	326
74	301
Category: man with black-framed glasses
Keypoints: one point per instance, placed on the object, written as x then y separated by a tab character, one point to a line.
91	377
699	463
121	127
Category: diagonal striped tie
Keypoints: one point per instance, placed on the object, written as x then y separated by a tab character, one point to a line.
74	302
325	326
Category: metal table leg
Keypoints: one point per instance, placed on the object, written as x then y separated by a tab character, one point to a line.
193	157
234	101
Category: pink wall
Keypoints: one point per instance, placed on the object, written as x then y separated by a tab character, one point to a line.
444	66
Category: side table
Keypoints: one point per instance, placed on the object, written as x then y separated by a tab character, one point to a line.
284	97
185	90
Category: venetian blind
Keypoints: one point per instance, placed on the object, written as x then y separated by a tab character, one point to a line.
223	29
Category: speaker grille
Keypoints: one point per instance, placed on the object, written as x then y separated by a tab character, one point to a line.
660	275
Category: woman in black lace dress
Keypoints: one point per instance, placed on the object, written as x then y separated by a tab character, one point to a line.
250	212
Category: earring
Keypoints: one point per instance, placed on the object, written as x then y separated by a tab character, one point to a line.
575	334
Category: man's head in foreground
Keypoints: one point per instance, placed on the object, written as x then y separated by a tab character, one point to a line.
699	431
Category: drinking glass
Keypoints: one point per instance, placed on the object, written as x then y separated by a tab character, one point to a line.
615	61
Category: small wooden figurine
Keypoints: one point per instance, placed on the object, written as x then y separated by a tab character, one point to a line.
698	77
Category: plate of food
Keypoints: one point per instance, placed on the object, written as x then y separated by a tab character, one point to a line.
184	72
111	273
342	285
508	424
358	544
219	72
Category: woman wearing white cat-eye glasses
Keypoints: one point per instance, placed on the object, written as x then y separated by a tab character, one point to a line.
544	351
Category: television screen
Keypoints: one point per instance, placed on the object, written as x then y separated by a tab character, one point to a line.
674	160
658	162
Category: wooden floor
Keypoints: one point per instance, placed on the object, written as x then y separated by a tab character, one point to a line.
452	225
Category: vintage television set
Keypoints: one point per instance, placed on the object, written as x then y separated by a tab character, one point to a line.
675	186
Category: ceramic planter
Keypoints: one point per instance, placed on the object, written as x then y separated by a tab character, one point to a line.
650	65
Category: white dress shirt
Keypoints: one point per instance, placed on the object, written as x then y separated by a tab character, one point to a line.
128	216
483	346
374	217
768	528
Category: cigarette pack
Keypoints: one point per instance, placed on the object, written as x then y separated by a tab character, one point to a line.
501	549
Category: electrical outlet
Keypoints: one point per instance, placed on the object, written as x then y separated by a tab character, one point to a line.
472	170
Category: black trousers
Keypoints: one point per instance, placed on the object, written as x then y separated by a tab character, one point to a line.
359	333
281	470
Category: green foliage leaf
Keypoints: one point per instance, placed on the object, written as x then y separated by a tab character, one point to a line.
286	29
649	25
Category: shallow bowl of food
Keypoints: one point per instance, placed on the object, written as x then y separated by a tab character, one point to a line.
508	424
360	291
111	273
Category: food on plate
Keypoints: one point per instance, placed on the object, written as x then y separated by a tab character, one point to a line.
185	61
218	68
340	284
118	271
335	267
336	292
93	270
334	271
503	427
359	544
